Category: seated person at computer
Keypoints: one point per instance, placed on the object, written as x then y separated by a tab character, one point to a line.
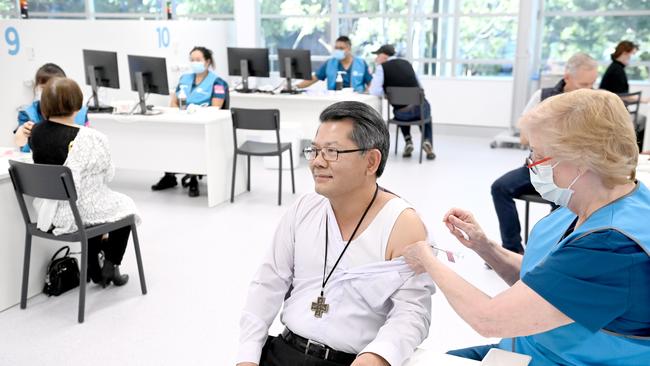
200	87
31	114
333	266
580	72
354	70
58	140
398	72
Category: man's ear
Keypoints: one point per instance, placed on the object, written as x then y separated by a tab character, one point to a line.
373	157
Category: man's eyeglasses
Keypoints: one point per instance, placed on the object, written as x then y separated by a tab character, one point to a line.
533	165
328	153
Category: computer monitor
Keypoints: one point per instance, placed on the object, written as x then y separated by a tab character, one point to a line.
148	75
294	64
247	62
101	71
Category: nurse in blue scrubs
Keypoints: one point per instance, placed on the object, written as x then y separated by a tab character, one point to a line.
354	70
201	87
580	295
31	114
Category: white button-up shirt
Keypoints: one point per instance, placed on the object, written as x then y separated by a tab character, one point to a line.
376	305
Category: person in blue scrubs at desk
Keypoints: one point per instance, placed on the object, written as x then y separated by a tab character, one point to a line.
579	295
201	87
354	70
31	114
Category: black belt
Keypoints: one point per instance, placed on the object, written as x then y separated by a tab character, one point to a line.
317	349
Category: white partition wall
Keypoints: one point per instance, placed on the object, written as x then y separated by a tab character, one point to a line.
27	44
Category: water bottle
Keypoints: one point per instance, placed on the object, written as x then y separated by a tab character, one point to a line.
339	80
182	99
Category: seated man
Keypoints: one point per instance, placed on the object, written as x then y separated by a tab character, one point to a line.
354	70
580	72
345	301
394	71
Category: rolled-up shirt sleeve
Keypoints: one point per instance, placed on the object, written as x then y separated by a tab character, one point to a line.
407	324
588	279
267	291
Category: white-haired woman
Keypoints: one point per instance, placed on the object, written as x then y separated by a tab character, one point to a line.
580	294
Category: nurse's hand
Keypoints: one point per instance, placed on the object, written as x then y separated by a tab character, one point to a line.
466	229
369	359
23	133
417	255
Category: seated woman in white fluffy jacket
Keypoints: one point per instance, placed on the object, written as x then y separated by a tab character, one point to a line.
59	141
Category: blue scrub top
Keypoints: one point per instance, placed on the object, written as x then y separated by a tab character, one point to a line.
321	74
600	281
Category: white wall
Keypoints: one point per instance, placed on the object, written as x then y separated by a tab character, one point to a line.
61	42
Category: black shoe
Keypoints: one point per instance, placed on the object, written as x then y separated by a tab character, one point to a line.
167	181
111	273
194	187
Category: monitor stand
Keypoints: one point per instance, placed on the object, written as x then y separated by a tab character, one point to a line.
139	83
243	66
288	72
96	107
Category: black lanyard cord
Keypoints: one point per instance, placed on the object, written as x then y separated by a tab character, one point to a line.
325	279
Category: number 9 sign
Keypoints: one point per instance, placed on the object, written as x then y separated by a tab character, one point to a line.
13	41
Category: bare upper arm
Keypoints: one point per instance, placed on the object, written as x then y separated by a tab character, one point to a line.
216	102
407	230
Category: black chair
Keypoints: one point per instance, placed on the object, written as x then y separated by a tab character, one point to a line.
55	182
632	102
528	198
406	96
263	120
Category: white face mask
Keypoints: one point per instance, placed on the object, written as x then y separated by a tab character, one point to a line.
37	94
546	187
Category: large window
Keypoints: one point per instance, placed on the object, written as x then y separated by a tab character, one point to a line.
595	27
441	37
8	9
129	9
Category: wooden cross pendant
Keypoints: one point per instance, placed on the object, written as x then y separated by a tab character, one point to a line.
319	307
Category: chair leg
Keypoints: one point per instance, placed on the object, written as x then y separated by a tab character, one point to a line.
280	180
526	224
82	279
293	182
138	258
248	176
26	262
232	186
421	142
396	137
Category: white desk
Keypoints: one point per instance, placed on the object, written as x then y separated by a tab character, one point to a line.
12	241
175	141
300	111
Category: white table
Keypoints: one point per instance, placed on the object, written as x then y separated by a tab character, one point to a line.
12	240
176	141
300	111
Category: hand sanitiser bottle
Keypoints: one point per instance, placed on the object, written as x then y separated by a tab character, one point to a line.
182	99
339	80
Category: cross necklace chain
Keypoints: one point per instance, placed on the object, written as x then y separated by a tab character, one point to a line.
320	306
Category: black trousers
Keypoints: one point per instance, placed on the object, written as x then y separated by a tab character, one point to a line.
277	352
113	248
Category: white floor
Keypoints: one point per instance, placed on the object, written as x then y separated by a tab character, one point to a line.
198	262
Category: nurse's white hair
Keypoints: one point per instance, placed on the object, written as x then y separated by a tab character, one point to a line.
591	129
578	61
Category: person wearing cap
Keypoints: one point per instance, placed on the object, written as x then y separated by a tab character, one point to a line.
353	70
394	71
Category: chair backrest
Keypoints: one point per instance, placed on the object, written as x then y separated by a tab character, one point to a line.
399	95
42	181
255	119
632	102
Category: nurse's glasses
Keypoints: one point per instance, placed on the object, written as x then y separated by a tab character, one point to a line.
533	165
